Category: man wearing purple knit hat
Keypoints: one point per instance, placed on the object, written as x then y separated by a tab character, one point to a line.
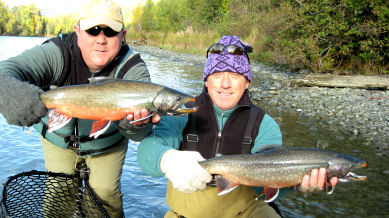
227	123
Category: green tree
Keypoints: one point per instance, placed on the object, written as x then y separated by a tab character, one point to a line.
170	15
212	11
147	19
4	17
27	19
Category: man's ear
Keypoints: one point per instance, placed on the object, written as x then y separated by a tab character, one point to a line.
76	29
206	84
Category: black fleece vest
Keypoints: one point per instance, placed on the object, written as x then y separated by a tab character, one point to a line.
201	132
75	66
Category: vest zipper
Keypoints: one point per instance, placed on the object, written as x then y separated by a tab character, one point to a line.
219	136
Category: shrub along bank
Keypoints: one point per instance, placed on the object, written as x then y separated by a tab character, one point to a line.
328	36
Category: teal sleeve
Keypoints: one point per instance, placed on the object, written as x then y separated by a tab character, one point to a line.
41	65
269	134
166	135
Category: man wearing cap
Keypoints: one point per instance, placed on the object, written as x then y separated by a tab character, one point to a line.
227	123
96	48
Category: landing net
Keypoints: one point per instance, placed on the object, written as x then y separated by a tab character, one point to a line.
47	194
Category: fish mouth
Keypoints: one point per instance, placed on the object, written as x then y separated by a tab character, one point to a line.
350	176
187	110
353	177
178	111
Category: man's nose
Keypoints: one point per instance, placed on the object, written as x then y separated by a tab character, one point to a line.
101	38
226	81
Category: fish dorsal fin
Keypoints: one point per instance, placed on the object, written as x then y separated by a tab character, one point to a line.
224	186
100	79
268	148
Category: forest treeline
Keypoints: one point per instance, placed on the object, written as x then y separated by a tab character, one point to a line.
331	36
327	36
26	20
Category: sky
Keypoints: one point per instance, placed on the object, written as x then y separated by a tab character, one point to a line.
56	7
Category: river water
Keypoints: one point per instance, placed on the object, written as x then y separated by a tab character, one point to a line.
144	196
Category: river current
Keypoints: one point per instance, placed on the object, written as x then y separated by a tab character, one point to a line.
144	196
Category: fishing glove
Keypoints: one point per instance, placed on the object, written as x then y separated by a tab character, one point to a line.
182	168
20	103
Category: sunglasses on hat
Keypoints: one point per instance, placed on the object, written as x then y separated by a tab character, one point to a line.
232	49
94	31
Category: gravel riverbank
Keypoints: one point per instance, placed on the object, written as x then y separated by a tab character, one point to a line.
357	111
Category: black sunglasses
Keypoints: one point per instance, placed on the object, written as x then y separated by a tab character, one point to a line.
94	31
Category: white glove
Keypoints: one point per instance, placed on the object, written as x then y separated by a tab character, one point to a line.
182	168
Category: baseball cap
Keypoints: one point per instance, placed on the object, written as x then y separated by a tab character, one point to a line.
99	12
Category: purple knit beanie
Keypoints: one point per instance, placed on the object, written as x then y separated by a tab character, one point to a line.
226	62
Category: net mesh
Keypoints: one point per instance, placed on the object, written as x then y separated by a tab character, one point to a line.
47	194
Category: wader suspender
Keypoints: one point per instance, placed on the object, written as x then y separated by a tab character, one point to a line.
73	141
247	142
192	138
136	59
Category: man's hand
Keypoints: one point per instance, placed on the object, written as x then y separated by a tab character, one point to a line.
317	181
139	114
20	101
125	123
182	168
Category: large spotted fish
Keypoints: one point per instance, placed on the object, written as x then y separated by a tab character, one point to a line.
278	167
109	99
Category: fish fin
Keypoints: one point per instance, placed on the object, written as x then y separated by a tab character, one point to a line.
57	120
224	186
328	185
144	118
270	194
99	79
99	127
268	148
30	130
53	87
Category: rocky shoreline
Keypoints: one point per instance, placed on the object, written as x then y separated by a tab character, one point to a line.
357	107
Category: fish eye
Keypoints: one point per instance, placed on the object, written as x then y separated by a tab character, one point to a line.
178	98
